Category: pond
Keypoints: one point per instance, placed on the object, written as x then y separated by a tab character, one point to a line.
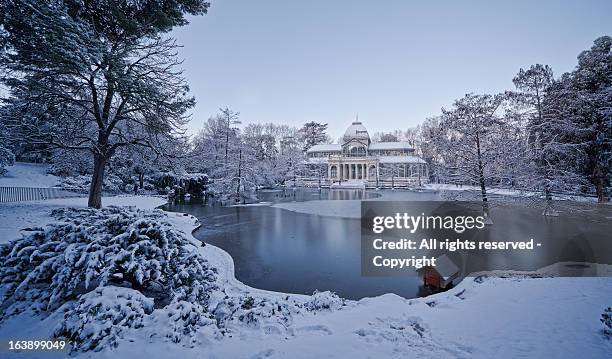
285	251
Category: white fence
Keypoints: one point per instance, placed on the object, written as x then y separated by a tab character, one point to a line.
387	182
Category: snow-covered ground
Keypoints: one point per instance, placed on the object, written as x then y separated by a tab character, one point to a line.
491	318
15	216
23	174
507	192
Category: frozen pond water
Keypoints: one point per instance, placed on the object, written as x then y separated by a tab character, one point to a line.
281	250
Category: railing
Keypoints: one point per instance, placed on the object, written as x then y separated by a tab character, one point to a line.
385	182
18	194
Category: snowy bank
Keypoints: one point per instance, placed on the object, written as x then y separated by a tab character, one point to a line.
18	215
518	316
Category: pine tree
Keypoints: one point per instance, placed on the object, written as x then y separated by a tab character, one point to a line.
592	81
313	133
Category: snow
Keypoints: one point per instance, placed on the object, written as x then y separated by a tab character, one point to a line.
400	159
518	316
445	267
402	145
536	317
493	318
343	209
506	192
258	204
28	175
18	215
332	147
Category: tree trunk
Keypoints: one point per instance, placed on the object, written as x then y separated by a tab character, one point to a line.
481	179
97	181
239	173
141	179
600	184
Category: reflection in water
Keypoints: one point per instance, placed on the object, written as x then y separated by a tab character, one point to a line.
279	250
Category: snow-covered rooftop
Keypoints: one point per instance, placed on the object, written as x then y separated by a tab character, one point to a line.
400	159
356	131
328	147
390	146
445	267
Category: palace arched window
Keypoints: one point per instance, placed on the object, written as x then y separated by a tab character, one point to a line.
357	151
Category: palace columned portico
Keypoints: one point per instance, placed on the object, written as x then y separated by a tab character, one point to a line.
340	170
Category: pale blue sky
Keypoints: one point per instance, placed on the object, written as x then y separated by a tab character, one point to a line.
393	62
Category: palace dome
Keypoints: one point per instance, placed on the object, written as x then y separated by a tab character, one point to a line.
356	131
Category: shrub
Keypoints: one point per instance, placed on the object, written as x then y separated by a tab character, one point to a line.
90	248
606	320
99	318
324	301
182	319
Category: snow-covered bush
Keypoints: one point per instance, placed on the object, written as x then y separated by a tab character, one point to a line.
193	183
90	248
606	319
99	318
118	264
181	319
324	301
254	312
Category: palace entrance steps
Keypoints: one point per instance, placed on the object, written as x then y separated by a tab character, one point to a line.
361	184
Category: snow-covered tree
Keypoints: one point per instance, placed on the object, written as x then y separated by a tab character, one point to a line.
291	160
545	162
94	76
592	82
262	143
313	133
385	137
229	120
431	147
473	130
220	149
208	146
